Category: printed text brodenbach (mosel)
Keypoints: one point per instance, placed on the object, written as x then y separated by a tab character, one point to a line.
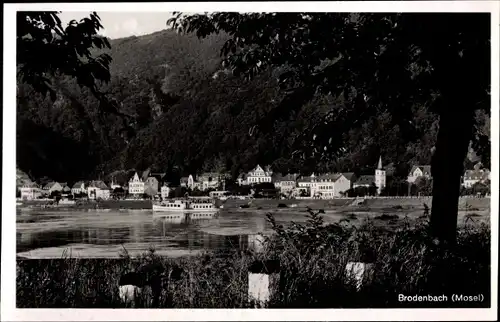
441	298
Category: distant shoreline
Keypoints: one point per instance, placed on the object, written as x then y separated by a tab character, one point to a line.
403	203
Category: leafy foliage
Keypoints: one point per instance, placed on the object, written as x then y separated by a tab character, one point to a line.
45	49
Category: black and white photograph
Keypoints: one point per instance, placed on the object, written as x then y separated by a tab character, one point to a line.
295	158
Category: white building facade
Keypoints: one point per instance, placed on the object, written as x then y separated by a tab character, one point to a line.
30	191
419	171
259	175
329	186
136	185
78	188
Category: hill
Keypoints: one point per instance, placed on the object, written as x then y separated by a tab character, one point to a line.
192	115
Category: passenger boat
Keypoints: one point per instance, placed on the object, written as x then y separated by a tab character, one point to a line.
186	205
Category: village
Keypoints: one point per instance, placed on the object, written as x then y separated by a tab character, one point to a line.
261	181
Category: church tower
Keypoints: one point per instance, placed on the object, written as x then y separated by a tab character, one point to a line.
380	176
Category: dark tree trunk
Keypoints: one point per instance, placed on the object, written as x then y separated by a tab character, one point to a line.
455	132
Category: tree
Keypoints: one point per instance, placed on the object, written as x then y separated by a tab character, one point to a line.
370	63
47	53
396	186
264	186
372	190
424	186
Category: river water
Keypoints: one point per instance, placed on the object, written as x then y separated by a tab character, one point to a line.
106	233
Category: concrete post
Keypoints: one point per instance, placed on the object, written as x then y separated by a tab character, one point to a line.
263	282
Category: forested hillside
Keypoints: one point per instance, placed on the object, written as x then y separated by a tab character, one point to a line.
188	115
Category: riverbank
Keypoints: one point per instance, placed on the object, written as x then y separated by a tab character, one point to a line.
379	203
313	261
89	205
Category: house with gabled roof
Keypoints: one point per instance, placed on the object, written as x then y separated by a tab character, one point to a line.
51	187
66	190
330	185
136	185
259	175
419	171
78	188
97	189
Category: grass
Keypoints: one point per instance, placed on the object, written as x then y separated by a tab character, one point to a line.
313	257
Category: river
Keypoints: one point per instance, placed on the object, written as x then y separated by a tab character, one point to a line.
106	233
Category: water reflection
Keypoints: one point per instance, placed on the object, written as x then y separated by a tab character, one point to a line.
89	231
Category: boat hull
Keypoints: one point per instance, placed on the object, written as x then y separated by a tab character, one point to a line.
185	210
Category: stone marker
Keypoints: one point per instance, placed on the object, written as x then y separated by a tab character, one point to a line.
263	281
359	272
130	286
147	283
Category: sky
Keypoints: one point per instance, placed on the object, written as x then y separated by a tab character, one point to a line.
123	24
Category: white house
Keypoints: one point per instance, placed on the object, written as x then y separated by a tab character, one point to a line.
258	175
30	191
98	190
329	186
418	171
471	177
136	185
165	191
78	188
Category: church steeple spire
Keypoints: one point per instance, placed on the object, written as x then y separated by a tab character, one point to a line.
379	163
